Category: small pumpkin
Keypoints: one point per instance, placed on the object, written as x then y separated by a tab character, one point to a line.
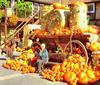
58	6
32	69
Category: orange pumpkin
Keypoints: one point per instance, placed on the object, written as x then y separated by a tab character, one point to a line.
97	74
56	68
57	77
63	66
32	69
62	76
52	78
58	6
70	76
83	78
6	66
90	74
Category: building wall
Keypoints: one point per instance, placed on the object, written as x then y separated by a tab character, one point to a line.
98	13
98	10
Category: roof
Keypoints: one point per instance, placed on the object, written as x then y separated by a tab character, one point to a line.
63	1
71	1
44	1
92	0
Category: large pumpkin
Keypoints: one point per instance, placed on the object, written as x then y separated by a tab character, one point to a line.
82	78
56	68
70	77
91	76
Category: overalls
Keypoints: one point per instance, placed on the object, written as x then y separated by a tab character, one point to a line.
43	59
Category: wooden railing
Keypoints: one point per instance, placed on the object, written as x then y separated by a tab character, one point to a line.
22	24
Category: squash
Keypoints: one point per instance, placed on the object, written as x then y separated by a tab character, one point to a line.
56	68
70	77
82	78
58	6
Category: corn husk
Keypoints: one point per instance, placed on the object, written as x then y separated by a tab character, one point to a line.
79	15
55	19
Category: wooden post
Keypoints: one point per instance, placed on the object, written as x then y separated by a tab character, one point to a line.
32	12
25	10
0	38
5	30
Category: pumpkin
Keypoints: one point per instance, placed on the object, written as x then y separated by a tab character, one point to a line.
32	69
6	66
64	63
83	78
62	76
57	77
70	76
58	6
90	74
56	68
52	78
97	74
63	66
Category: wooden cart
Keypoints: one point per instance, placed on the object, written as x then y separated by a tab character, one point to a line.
58	46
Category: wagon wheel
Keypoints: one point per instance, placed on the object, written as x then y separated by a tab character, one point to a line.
77	46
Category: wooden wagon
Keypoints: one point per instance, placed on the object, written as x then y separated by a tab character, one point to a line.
60	46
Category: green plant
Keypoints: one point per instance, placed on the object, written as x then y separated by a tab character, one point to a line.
4	3
1	17
24	8
28	8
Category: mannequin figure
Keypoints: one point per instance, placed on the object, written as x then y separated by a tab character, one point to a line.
43	57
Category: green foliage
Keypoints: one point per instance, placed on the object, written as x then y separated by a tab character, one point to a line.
4	3
1	17
24	7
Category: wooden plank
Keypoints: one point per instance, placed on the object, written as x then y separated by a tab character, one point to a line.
22	19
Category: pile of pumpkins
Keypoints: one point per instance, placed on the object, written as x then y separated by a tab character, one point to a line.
21	63
19	66
55	31
73	70
94	46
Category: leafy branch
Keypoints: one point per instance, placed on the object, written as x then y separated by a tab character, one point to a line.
23	7
4	3
1	17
